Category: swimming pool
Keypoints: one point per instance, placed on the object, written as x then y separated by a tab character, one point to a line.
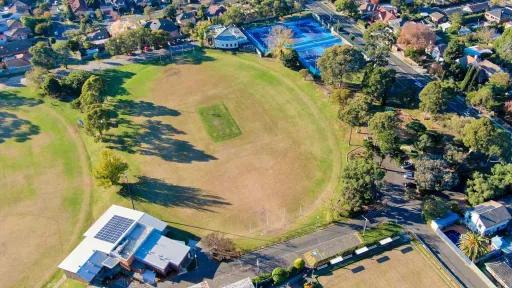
310	39
453	235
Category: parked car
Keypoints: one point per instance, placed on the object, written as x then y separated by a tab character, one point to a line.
410	185
407	165
409	175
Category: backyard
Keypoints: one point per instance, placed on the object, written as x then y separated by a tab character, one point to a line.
279	146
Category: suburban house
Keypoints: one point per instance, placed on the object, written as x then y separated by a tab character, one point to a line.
477	51
368	8
396	24
476	8
499	15
18	7
10	49
436	51
20	63
438	18
229	37
215	11
78	6
14	24
164	25
18	34
385	15
185	18
98	37
126	239
501	270
487	218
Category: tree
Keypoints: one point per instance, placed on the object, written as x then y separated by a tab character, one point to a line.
479	189
299	264
434	207
435	175
280	39
170	11
73	82
110	168
473	245
36	76
416	127
358	180
454	51
200	30
378	41
234	15
481	135
42	29
486	97
339	60
62	52
383	128
341	96
348	7
378	82
91	93
416	36
43	56
500	82
93	3
503	45
435	96
290	59
501	178
97	121
50	86
219	247
357	111
456	20
279	275
31	22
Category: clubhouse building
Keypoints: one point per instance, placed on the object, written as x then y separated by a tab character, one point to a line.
126	239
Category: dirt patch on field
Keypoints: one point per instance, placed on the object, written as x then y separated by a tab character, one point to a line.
258	183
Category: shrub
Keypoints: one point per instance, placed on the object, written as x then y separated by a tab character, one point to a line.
261	278
50	86
220	248
299	264
279	275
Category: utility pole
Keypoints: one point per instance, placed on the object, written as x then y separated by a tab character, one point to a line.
365	221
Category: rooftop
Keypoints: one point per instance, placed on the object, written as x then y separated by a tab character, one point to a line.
501	269
492	213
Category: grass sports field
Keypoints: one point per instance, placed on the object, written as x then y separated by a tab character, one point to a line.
215	142
404	266
45	191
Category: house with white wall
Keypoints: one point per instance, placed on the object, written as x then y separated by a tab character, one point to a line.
487	218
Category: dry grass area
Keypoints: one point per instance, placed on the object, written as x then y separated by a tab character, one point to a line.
402	267
45	183
259	183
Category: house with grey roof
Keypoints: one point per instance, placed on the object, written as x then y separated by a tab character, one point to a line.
501	270
499	15
124	238
222	37
476	7
165	25
487	218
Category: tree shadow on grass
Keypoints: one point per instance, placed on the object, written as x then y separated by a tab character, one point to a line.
155	138
11	100
156	191
12	127
143	109
180	58
114	80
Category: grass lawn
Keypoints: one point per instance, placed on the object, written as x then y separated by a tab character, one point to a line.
401	267
218	122
381	231
46	183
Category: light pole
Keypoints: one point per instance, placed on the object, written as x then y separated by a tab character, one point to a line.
364	227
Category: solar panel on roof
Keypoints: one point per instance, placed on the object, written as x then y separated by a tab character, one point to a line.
114	228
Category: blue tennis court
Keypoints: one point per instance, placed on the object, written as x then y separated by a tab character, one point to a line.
310	40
